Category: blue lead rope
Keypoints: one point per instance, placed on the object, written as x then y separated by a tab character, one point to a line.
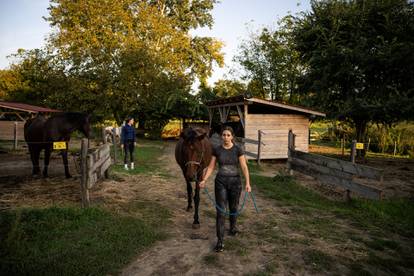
224	211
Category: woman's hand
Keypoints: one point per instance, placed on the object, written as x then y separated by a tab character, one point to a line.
202	184
248	188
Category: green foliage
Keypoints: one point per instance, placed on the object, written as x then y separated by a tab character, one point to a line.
228	88
71	241
382	137
357	57
271	62
120	58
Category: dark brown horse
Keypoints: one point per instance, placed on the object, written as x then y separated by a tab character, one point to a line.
193	154
40	133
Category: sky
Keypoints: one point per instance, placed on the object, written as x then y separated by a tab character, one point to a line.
22	25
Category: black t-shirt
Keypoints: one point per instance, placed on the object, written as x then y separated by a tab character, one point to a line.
228	160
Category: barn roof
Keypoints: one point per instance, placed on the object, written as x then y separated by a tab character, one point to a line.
242	100
26	107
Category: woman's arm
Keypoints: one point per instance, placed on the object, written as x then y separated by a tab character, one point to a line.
245	170
209	171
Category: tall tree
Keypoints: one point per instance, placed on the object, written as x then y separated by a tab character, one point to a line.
359	59
125	57
271	62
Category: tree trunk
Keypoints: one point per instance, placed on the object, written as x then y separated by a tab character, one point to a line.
361	127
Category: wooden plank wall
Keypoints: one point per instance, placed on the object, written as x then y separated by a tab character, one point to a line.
98	163
275	129
7	130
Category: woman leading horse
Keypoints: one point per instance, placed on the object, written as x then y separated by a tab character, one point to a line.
228	182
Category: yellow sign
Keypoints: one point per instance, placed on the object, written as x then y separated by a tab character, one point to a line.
59	145
359	145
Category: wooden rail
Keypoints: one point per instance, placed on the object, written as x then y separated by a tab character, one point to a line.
334	171
94	166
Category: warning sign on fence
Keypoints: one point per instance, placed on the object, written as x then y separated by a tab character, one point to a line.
359	146
59	145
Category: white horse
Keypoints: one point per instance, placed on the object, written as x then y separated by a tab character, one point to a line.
109	130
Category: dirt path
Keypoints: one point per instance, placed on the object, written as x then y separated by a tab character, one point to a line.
189	251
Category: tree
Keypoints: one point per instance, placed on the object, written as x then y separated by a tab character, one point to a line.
271	62
359	59
132	51
228	88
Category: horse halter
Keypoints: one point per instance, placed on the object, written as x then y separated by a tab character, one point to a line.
192	162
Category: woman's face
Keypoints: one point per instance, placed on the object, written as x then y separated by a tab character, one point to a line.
226	136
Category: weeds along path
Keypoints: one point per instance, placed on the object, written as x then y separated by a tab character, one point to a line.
297	234
190	251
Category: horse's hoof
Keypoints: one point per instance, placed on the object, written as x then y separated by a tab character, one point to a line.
196	226
68	176
189	208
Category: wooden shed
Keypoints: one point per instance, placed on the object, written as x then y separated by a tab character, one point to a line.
265	124
13	115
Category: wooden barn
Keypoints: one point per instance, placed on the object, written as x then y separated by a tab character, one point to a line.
266	121
13	116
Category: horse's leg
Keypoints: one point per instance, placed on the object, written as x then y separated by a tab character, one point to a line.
196	223
34	155
65	162
189	196
48	151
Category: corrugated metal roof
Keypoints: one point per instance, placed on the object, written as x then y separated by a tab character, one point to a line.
26	107
243	100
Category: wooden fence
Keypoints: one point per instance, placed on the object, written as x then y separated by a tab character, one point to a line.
243	141
94	166
12	131
341	173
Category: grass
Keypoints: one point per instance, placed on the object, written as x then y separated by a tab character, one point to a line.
392	215
211	259
72	241
146	157
318	218
317	260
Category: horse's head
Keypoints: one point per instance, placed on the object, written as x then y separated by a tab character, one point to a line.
193	151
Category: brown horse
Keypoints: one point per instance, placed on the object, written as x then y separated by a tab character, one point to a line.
40	133
193	154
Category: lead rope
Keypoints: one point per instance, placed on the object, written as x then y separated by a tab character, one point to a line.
224	211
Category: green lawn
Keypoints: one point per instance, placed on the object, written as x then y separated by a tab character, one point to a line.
64	240
388	227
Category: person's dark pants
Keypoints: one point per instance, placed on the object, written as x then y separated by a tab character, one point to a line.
227	189
129	146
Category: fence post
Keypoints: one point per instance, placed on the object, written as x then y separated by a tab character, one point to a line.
291	147
343	146
259	147
84	176
395	147
353	151
15	136
369	141
114	145
103	135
